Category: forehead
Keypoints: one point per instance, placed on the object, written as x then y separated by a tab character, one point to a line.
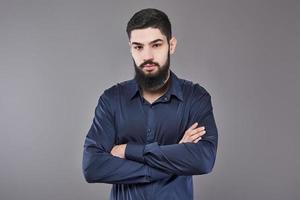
146	35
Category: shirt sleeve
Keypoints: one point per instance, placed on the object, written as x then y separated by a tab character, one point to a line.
99	165
185	158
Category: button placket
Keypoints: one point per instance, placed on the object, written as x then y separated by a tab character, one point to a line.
150	125
148	131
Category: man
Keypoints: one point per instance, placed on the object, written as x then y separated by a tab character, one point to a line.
152	133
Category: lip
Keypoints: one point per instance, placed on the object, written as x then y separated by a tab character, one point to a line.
149	67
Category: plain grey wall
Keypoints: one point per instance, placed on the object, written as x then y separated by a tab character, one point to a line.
57	57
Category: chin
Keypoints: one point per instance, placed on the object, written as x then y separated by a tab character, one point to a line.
151	73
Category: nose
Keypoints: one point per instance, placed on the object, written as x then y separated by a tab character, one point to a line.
147	54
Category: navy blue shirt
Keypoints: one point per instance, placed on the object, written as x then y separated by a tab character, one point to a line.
155	165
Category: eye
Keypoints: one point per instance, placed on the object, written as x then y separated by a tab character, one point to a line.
156	45
137	47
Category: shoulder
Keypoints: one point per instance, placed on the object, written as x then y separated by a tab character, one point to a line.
118	89
192	90
196	97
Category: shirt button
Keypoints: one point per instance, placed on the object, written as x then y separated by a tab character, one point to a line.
148	131
166	98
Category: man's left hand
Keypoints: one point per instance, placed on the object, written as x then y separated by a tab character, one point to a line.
119	150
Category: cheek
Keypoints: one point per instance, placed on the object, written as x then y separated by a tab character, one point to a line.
136	59
162	57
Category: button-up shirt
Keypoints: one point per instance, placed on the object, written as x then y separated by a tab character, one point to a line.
156	166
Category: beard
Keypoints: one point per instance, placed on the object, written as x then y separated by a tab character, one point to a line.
152	81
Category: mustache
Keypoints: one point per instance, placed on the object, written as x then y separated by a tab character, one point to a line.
148	62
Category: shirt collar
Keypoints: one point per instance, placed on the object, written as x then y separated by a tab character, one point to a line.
174	89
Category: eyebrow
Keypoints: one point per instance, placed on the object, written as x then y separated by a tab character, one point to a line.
152	42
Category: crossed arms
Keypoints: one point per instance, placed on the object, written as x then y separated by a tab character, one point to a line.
105	162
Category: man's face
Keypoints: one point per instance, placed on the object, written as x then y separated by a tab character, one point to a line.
151	51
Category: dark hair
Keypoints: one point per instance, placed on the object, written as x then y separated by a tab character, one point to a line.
150	17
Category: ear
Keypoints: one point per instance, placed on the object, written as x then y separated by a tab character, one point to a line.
129	43
173	43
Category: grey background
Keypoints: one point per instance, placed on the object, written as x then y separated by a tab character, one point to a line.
57	57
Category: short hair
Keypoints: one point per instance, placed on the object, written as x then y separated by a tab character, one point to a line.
150	17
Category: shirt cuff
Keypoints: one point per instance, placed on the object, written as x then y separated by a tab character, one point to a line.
135	152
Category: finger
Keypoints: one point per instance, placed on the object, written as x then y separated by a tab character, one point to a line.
197	140
201	128
195	136
197	130
202	132
192	127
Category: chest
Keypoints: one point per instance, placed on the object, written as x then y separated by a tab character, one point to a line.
141	123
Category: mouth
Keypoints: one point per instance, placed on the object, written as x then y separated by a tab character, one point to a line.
149	67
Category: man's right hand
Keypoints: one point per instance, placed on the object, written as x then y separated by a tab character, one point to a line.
193	134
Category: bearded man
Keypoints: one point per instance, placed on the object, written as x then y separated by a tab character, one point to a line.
151	134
